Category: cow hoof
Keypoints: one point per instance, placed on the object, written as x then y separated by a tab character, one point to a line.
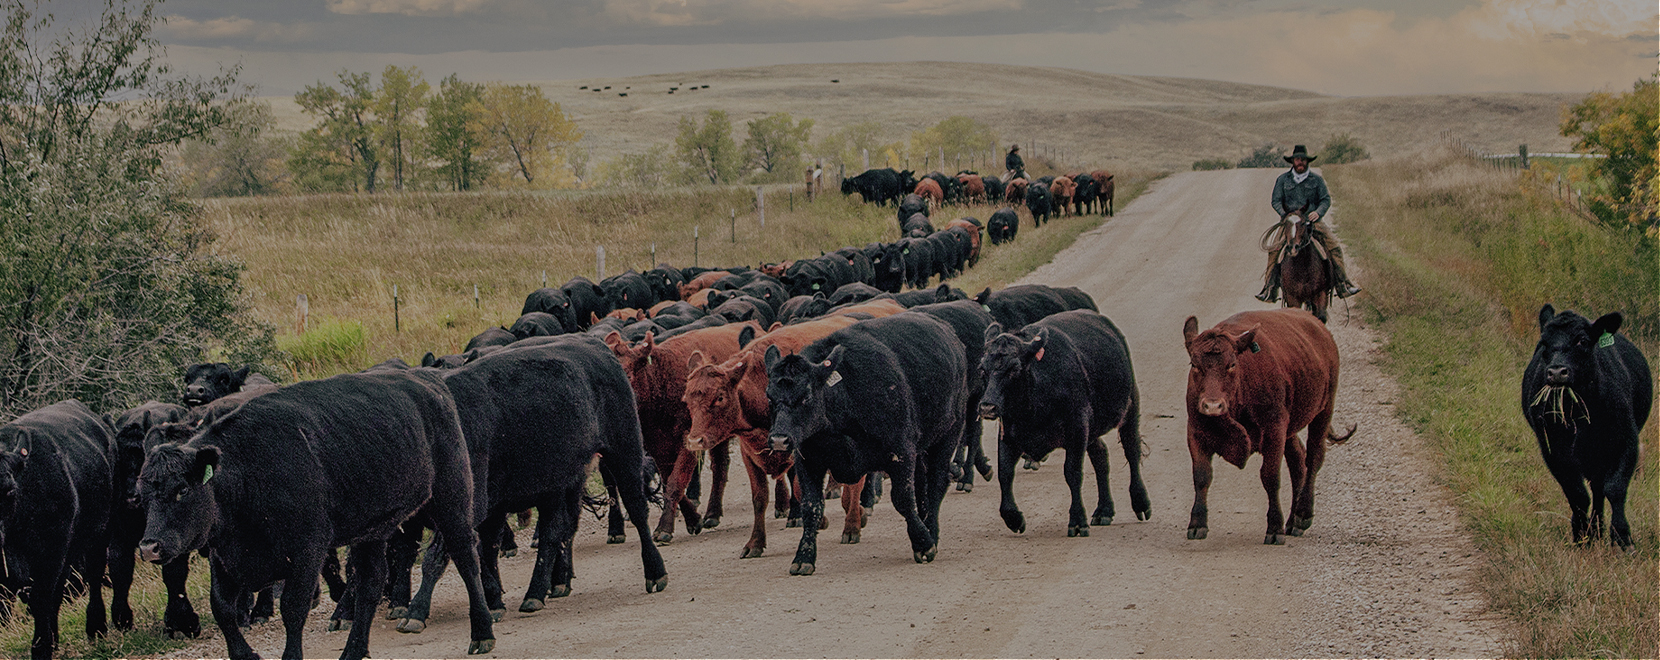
1031	464
179	634
1292	530
532	605
535	543
985	470
1273	539
1101	520
1197	533
395	613
1015	521
793	522
259	620
753	552
497	615
616	539
801	569
1077	530
559	591
481	646
659	584
510	553
780	514
711	522
925	556
850	538
1144	514
411	626
663	538
1299	523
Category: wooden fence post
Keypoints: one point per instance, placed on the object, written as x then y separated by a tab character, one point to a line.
397	324
302	308
599	265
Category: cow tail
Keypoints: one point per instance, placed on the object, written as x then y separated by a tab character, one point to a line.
1338	440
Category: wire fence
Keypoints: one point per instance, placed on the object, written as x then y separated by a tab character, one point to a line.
1562	189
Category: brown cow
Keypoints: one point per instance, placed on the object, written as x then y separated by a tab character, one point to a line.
775	270
628	314
1104	178
658	374
701	282
730	399
974	188
929	189
1061	190
659	307
699	298
1015	192
1258	378
973	238
875	308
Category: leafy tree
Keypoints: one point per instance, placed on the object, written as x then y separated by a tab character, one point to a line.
402	93
237	158
528	133
651	169
341	152
1342	148
107	285
707	153
959	137
455	133
848	146
1623	128
774	145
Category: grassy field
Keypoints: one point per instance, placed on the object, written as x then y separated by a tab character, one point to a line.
1458	259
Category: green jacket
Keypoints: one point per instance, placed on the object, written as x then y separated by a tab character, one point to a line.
1311	193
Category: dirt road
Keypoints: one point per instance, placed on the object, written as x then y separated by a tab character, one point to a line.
1383	572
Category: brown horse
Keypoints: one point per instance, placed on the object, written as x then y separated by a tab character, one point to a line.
1305	270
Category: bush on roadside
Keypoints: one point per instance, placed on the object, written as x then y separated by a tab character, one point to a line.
1211	164
1266	155
1340	149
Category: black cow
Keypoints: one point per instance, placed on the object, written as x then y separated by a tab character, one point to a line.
210	380
803	308
916	226
994	187
1039	202
920	262
1587	393
859	262
132	428
1084	198
1062	383
887	266
911	205
555	302
1003	226
56	478
638	330
879	186
273	486
629	289
534	415
852	293
1018	305
536	324
886	394
705	322
490	337
768	290
940	294
588	300
740	308
969	320
665	281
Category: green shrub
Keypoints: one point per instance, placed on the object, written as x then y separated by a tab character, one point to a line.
1211	164
1266	155
1342	148
329	346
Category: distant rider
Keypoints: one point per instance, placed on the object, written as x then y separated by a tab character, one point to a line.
1016	167
1296	189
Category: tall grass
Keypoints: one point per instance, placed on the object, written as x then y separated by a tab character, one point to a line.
1459	258
346	252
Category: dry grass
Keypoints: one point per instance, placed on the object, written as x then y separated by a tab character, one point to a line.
1116	121
1459	259
346	252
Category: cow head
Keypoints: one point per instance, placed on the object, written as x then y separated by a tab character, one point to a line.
712	399
1213	376
176	488
211	380
636	358
14	457
1007	366
1568	343
795	390
131	429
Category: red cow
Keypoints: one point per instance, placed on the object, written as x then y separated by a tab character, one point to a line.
1015	192
1105	179
730	399
658	374
775	270
701	282
1258	378
875	308
974	188
973	238
930	189
1061	190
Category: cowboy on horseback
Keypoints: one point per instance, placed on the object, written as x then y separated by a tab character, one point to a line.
1300	189
1015	164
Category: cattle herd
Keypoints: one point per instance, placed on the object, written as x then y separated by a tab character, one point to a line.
823	372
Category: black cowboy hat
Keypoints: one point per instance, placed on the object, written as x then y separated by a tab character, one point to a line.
1014	147
1300	151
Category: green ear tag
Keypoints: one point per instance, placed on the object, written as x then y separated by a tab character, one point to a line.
207	474
1255	347
1606	340
986	307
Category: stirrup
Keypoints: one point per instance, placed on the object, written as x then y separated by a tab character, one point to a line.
1347	290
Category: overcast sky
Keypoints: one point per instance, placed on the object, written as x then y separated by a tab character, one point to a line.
1344	47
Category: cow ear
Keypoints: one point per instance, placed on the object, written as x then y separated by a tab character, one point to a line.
615	341
1246	341
697	359
993	330
772	357
1546	313
598	291
240	376
650	342
472	356
429	359
942	293
207	458
746	335
831	362
775	325
1190	329
593	318
819	295
1034	346
1607	324
983	296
